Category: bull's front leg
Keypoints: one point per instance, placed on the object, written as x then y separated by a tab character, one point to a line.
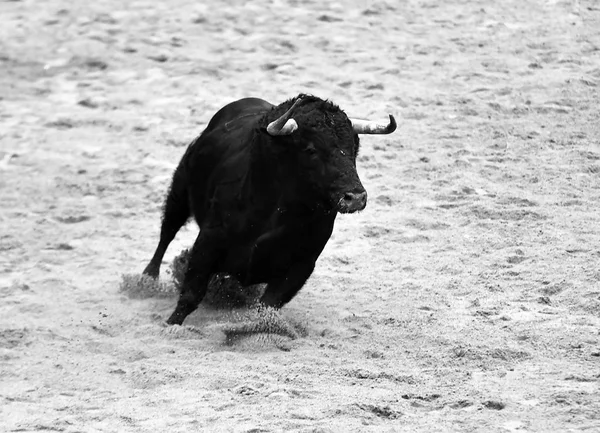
205	255
282	289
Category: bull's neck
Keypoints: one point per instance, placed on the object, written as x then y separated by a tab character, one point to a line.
272	182
264	178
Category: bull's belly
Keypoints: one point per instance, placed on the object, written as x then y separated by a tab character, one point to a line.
270	252
243	263
236	262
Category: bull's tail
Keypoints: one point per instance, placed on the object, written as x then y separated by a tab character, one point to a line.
176	212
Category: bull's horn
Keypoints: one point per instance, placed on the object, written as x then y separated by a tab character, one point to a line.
284	125
367	127
288	128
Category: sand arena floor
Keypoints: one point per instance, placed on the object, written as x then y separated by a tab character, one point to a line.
465	298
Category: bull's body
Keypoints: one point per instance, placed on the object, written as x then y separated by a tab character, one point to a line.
265	204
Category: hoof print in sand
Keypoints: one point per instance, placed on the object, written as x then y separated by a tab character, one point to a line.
494	405
380	411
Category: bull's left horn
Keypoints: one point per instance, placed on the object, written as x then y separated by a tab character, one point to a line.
367	127
284	125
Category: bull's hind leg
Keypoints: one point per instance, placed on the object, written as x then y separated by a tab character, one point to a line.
176	212
201	265
282	289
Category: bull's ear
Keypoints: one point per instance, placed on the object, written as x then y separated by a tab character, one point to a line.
288	128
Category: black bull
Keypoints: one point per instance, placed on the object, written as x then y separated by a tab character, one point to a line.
264	184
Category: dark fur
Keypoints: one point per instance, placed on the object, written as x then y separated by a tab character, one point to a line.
265	205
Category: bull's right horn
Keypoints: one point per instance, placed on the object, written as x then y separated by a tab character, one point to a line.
368	127
285	125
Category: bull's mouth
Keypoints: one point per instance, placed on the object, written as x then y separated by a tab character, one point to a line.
352	202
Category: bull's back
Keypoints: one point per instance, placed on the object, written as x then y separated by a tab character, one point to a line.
218	159
224	146
232	124
246	107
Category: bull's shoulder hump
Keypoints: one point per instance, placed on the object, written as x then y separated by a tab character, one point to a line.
254	103
244	108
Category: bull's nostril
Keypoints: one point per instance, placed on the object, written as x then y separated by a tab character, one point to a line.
354	201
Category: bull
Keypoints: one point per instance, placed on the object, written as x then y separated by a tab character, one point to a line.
265	184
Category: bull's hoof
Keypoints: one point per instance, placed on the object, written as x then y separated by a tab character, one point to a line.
151	272
174	321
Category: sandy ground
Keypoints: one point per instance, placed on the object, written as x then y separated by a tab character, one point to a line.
466	297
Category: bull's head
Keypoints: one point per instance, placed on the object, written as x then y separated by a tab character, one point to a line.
324	143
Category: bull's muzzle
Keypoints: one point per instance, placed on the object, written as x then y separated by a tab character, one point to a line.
352	202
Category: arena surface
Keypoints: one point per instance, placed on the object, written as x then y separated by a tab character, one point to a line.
465	298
